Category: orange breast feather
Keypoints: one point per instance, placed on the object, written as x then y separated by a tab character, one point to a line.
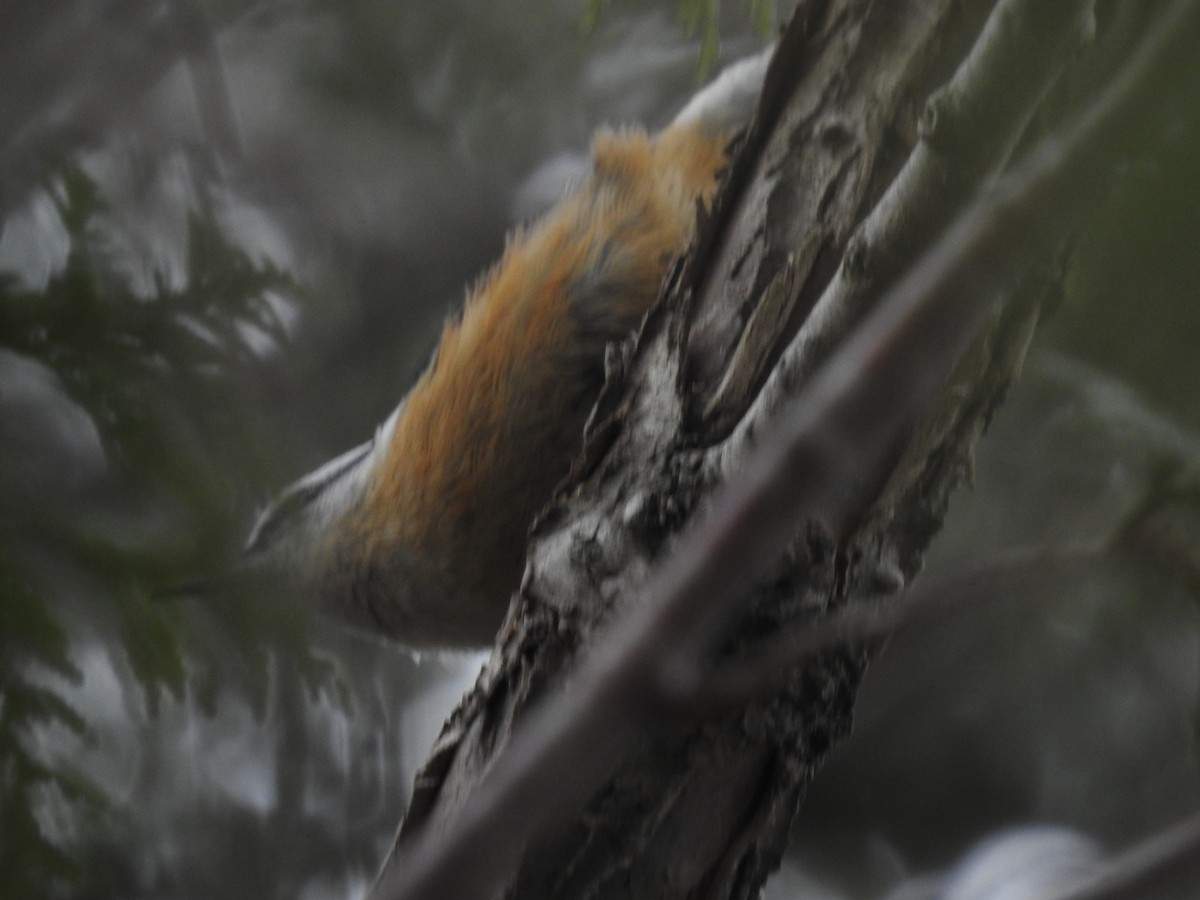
493	424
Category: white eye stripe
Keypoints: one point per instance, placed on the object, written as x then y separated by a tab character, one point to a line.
315	482
301	494
384	432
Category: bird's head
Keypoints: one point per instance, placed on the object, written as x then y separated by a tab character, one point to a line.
298	524
298	533
324	538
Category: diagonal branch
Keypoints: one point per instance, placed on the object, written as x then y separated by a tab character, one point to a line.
630	684
1157	863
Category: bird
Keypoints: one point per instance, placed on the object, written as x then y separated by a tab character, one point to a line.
418	535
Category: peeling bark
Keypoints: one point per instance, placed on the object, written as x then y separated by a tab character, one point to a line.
879	123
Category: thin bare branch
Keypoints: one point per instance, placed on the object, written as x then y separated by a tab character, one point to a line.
761	668
1157	862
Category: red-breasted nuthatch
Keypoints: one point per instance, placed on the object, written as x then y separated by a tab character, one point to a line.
419	534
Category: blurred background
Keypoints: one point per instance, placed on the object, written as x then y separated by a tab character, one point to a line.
229	233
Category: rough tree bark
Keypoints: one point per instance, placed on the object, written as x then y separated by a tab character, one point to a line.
878	124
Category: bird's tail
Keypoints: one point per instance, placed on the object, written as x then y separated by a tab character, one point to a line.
727	102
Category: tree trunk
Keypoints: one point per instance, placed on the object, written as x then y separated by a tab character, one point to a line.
878	125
